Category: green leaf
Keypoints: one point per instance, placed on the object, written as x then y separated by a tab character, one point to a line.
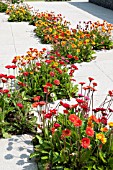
101	155
39	139
90	168
58	168
56	157
35	154
44	157
85	156
46	145
93	158
6	135
50	155
100	168
46	131
43	151
94	167
110	162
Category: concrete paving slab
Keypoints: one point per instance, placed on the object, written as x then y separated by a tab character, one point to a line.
104	55
6	39
7	49
15	153
106	67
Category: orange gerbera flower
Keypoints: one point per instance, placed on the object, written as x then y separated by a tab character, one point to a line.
90	124
35	104
93	117
73	118
104	129
66	133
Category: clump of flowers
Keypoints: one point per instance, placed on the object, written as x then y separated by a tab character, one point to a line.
100	33
79	136
42	74
49	25
76	49
19	13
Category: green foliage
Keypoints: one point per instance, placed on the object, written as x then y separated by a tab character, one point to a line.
17	1
3	7
15	120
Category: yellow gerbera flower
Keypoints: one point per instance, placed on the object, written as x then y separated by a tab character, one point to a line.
103	140
78	50
63	43
100	136
73	45
110	124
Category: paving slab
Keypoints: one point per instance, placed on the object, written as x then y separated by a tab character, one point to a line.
15	153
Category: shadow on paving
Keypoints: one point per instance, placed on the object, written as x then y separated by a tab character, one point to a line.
21	149
98	11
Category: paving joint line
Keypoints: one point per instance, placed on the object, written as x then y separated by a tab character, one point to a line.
103	72
13	38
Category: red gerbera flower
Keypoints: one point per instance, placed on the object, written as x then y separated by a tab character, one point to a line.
110	92
13	66
66	105
4	80
36	98
80	101
52	73
48	115
42	103
8	66
66	111
75	67
90	78
85	142
77	123
94	84
49	84
89	131
57	82
103	120
20	105
69	56
66	133
25	73
5	91
11	77
82	83
38	64
56	125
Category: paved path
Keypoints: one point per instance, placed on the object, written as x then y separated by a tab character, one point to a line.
17	38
